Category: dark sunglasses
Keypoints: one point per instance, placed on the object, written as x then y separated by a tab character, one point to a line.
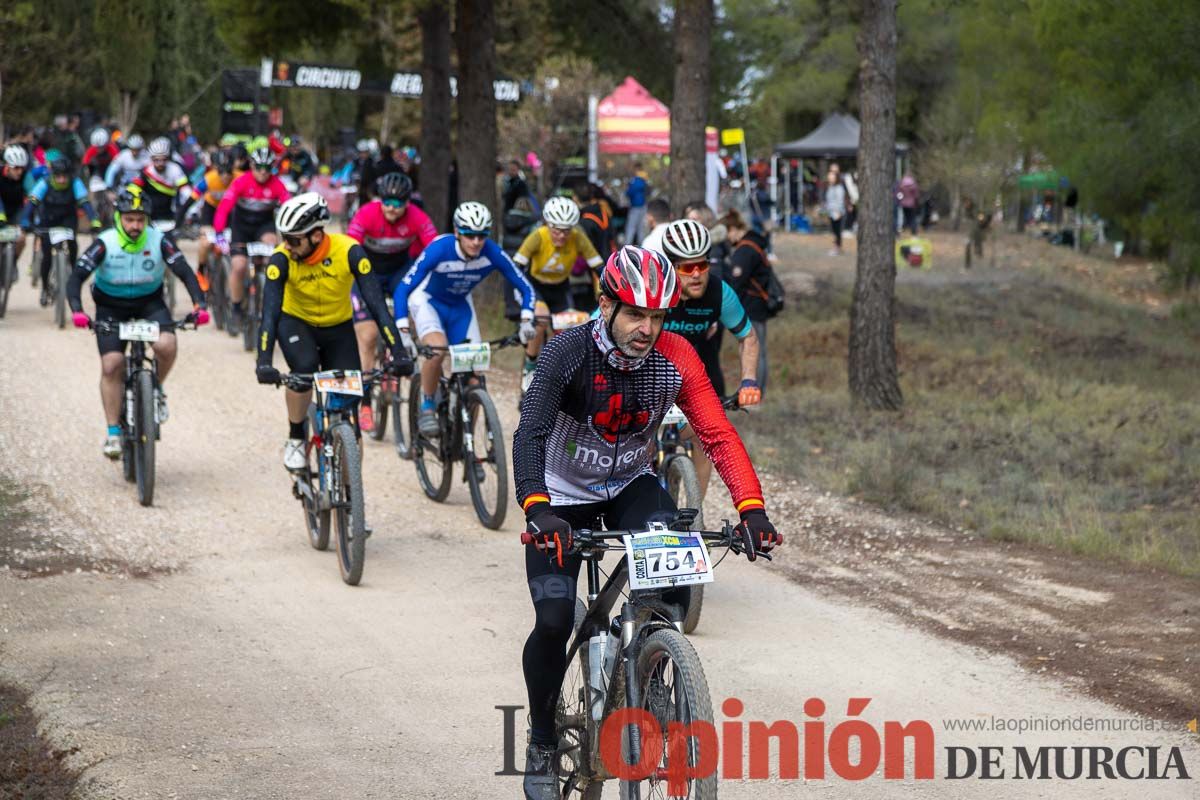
392	202
691	267
295	241
261	168
475	237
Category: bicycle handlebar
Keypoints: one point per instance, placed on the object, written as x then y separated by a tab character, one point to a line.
736	539
188	323
428	350
302	381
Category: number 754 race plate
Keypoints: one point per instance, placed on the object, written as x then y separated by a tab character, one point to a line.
662	559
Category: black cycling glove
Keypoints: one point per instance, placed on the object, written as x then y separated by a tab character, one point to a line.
758	534
267	374
549	530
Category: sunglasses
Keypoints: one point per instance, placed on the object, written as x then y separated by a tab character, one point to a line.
474	237
392	202
295	241
261	168
692	267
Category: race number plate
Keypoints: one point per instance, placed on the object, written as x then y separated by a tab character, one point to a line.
138	330
470	357
349	383
165	225
9	234
97	184
674	416
60	235
662	559
257	249
565	320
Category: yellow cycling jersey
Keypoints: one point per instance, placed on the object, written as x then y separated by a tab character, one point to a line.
317	290
216	186
546	264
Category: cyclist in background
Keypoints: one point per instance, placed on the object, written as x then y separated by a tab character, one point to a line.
54	202
128	262
208	192
583	449
101	153
707	303
251	199
12	191
547	255
436	295
393	231
162	182
128	163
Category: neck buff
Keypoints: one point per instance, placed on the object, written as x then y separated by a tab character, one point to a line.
612	354
127	244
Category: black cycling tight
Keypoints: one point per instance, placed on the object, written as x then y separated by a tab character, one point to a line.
553	592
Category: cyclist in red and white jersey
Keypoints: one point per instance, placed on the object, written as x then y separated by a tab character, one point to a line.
583	449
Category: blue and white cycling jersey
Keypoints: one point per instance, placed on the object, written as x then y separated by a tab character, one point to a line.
444	274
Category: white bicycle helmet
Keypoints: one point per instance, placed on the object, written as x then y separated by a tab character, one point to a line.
99	137
686	240
160	147
473	218
301	214
15	156
135	142
561	212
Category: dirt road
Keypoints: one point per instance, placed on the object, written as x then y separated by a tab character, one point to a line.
241	666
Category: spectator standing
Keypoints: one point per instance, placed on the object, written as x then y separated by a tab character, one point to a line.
658	214
835	206
514	187
909	195
749	274
635	192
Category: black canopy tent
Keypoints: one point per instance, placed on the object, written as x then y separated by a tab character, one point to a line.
836	137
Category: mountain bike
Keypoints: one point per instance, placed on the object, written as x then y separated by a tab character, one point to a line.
390	393
677	474
463	403
330	488
139	414
60	269
639	660
9	236
166	227
217	274
256	282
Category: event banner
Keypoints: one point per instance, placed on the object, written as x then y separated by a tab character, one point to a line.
299	75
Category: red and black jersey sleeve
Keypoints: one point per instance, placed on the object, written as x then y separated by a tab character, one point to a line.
720	439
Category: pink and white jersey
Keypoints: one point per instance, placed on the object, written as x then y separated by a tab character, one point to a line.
255	202
391	248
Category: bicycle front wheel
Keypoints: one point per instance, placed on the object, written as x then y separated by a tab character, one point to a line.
59	289
8	277
318	533
672	689
348	507
571	719
485	460
379	406
400	438
145	431
430	456
253	316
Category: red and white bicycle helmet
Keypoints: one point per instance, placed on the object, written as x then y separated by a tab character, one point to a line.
640	278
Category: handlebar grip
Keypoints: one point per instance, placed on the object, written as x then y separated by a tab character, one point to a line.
526	538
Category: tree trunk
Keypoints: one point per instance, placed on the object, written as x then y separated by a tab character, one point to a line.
475	34
689	105
872	363
129	112
434	19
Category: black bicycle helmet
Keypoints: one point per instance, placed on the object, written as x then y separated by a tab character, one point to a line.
129	200
395	185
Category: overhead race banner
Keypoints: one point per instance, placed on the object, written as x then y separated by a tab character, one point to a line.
296	75
238	94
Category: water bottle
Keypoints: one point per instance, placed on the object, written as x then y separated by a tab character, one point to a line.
597	678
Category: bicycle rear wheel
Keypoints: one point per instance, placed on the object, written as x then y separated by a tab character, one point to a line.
401	438
8	277
672	689
485	460
431	456
145	432
348	507
684	488
380	403
318	533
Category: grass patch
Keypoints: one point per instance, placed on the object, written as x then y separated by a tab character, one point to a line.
1035	410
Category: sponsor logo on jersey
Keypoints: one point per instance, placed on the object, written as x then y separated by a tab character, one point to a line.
364	266
273	273
616	419
596	457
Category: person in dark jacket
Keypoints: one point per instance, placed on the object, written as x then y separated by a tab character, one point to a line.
749	273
